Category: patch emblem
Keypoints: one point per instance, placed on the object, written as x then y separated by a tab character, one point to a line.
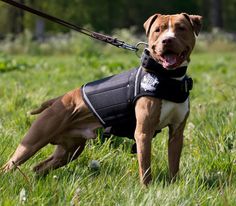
149	82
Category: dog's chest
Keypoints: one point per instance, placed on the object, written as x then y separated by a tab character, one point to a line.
172	113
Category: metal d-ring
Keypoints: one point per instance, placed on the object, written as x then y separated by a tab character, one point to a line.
144	45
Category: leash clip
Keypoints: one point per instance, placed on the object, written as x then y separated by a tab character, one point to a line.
124	45
141	46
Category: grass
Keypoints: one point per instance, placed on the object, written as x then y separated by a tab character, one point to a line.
208	163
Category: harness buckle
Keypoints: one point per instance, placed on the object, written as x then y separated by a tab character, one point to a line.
188	84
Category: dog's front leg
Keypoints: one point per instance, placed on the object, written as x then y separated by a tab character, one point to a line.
143	142
147	111
175	145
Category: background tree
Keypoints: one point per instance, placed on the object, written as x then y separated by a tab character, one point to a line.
15	19
216	15
106	15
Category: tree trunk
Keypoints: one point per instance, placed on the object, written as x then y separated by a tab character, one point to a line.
39	29
39	26
216	14
21	18
16	19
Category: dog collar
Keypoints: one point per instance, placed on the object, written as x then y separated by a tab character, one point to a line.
151	65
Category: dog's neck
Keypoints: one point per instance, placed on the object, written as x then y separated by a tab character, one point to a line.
148	63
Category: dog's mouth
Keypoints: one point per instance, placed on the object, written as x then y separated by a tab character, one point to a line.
171	60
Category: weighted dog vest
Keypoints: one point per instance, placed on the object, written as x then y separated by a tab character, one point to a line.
112	99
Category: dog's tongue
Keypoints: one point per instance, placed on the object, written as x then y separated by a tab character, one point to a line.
169	60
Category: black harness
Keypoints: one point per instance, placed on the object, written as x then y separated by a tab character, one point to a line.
112	99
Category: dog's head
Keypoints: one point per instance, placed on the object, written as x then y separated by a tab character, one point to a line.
171	38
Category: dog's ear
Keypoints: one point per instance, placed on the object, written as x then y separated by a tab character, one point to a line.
149	22
196	22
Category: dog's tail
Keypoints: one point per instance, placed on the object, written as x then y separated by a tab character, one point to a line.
44	106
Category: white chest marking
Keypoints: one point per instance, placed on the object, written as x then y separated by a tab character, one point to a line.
173	113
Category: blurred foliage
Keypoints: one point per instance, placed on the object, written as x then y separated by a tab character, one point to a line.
9	64
73	43
105	15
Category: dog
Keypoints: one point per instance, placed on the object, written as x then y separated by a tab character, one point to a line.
70	120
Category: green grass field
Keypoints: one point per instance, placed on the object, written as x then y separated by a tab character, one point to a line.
208	162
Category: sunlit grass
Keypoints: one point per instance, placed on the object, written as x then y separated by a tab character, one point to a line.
208	167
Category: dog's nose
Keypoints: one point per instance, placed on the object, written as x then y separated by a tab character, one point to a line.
167	40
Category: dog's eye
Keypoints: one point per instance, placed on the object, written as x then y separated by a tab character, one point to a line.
182	28
157	30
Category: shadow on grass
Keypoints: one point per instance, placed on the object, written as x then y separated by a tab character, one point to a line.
161	177
214	180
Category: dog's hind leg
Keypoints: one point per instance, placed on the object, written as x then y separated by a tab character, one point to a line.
33	141
45	127
60	157
22	153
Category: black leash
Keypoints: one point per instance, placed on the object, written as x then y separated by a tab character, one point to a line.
95	35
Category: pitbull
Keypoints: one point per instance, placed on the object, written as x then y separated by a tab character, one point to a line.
70	120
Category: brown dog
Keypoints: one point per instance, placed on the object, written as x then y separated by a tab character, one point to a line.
68	122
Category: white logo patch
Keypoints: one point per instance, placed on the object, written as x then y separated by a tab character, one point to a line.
149	82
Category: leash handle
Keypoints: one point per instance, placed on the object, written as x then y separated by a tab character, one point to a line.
95	35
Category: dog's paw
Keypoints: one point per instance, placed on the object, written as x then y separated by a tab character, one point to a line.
7	167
